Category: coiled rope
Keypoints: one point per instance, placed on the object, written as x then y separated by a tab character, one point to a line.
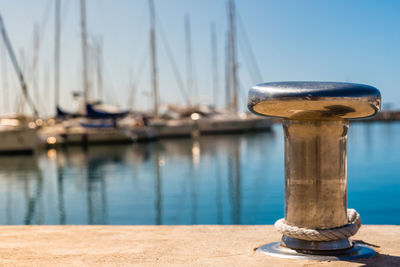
345	231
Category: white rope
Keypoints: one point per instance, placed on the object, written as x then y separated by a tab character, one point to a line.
345	231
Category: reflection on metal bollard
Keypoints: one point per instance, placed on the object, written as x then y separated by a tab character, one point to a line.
317	223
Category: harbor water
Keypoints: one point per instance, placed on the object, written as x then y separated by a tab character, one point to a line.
223	179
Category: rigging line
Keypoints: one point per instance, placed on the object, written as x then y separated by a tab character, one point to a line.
250	70
138	77
139	37
34	73
173	63
249	66
40	35
17	68
46	87
92	63
243	92
5	78
23	62
111	88
251	52
214	62
17	102
60	6
131	90
65	9
189	63
142	64
191	71
99	67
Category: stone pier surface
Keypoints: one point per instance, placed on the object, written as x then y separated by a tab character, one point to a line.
203	245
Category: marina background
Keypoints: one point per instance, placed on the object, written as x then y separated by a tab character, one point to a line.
353	41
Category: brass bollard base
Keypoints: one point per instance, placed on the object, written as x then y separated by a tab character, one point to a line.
357	251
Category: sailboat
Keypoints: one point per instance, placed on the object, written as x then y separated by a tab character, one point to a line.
17	133
229	120
95	122
208	119
163	127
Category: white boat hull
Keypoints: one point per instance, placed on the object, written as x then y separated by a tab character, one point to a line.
173	128
81	135
18	140
231	124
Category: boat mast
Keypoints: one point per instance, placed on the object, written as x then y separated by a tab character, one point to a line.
228	100
57	53
84	52
34	70
153	57
214	62
11	53
232	26
99	69
189	62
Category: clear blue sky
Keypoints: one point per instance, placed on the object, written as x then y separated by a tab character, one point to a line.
350	40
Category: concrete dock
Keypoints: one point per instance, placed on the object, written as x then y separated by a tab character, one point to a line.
169	246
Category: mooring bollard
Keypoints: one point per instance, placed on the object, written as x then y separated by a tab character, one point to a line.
316	115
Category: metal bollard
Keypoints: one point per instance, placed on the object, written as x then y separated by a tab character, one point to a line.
315	122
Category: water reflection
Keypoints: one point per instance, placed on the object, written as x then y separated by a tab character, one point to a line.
22	185
234	183
96	187
188	181
235	179
60	193
158	187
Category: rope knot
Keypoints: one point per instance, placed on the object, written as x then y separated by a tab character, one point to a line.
338	233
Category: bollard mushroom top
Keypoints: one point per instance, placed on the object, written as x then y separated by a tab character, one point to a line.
314	100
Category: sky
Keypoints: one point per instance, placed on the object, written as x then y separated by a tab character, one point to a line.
342	40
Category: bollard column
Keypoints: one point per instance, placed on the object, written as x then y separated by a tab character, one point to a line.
315	178
316	117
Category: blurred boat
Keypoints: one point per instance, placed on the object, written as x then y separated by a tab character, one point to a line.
208	120
100	111
82	131
17	135
94	122
232	123
172	127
